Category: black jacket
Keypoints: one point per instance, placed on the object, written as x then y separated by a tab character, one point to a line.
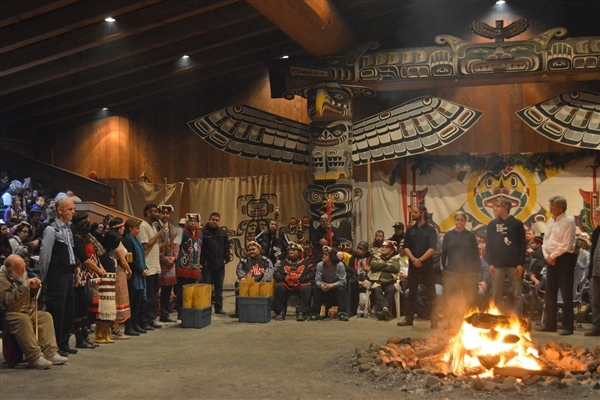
215	247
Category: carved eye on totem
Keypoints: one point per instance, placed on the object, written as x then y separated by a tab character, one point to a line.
315	197
339	97
489	182
315	134
481	51
339	196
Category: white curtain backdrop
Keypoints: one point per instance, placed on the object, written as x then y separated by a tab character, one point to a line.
246	204
388	207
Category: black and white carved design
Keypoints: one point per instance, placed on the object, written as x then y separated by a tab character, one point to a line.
572	118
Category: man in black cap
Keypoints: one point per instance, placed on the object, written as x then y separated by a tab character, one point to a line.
398	232
420	243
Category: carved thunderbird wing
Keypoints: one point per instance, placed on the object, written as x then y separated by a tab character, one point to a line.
572	118
415	127
253	133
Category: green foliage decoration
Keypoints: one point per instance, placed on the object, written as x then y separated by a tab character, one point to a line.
494	162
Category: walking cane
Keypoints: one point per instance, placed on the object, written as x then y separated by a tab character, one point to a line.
37	329
36	321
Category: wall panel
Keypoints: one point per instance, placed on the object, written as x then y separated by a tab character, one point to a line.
158	141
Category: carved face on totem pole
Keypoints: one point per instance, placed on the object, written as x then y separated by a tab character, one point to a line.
330	146
342	195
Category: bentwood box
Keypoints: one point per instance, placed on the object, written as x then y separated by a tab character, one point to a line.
195	317
254	309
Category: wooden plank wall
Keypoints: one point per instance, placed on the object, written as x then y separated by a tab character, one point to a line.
158	141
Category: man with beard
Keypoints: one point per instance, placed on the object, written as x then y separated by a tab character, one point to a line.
149	238
293	276
57	265
420	243
257	266
378	241
215	254
273	242
17	298
384	270
168	254
188	267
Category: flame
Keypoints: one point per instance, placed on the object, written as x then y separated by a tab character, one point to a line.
471	345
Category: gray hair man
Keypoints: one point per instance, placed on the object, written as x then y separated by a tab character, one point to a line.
558	249
18	295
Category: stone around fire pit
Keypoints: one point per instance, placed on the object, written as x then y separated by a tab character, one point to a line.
422	377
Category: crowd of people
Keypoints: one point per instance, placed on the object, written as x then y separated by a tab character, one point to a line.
63	275
506	266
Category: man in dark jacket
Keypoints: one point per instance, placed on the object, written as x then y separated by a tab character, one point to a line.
273	242
505	251
420	243
215	254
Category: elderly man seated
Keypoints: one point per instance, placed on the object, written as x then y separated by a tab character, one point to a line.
386	267
17	299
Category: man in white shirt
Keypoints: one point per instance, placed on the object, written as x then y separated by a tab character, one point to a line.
558	248
149	238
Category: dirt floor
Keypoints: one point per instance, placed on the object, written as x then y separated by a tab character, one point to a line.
232	360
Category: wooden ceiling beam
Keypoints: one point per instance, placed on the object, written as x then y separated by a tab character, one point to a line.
134	23
315	25
149	77
18	11
63	21
153	88
134	62
182	37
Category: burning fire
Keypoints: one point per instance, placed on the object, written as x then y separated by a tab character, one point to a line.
489	340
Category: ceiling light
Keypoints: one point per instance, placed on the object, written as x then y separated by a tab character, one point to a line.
110	19
499	2
105	109
285	56
185	56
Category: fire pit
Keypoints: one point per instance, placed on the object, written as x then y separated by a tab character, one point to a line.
487	341
490	351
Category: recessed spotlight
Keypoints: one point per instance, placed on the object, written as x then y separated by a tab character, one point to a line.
104	109
285	57
110	19
185	56
500	2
